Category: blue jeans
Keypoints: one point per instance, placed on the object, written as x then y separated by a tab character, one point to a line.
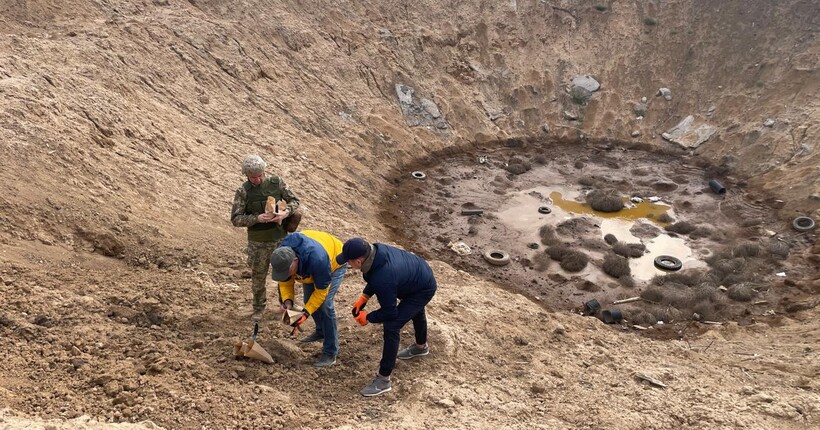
325	316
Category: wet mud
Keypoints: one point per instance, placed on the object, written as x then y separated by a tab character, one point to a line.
528	204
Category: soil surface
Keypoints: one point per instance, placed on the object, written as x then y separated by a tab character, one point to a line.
123	285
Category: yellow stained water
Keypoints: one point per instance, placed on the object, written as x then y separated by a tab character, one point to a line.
644	209
520	214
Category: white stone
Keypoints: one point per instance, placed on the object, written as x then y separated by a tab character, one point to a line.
587	82
768	123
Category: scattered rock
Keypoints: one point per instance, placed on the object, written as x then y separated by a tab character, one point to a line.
112	388
447	403
586	82
538	388
636	133
688	136
419	111
580	95
768	123
570	116
559	329
666	93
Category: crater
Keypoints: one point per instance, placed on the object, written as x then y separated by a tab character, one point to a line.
572	253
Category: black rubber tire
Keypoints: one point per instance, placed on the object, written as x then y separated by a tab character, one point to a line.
544	210
668	262
497	257
418	174
803	223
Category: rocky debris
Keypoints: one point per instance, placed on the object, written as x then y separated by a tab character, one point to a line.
686	134
636	133
570	116
768	123
640	108
420	111
666	93
586	82
580	95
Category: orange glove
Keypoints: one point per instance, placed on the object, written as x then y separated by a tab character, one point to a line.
299	322
359	305
361	318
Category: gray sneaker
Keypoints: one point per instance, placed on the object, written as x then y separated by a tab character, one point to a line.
378	386
413	351
313	337
325	361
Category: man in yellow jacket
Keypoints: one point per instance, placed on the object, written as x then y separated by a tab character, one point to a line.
309	257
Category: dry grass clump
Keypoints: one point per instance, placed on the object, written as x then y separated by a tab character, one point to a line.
517	169
629	250
740	292
616	266
579	164
700	232
643	318
706	292
681	227
586	181
729	266
589	286
749	249
574	261
778	249
652	294
541	262
685	278
610	239
540	159
665	218
547	233
558	251
627	281
705	310
666	314
605	200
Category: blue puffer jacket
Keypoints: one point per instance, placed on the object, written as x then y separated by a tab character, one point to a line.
397	275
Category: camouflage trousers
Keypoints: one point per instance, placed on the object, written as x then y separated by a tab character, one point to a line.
259	262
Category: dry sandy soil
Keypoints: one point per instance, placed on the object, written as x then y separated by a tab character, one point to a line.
123	284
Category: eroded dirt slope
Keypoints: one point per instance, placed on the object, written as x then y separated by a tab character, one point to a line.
123	123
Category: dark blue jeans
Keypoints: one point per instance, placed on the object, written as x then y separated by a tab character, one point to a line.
325	316
411	308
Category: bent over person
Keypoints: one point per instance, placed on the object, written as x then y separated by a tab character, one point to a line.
265	229
309	258
404	284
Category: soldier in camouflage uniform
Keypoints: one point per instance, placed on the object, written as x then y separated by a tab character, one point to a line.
265	230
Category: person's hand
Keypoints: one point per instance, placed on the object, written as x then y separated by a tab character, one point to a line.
287	304
265	217
359	305
361	318
281	215
300	321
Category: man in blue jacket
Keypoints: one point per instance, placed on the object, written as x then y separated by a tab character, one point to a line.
404	284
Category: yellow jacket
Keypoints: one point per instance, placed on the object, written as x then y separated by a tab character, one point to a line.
317	253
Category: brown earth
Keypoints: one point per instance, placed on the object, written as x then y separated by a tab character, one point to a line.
123	125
